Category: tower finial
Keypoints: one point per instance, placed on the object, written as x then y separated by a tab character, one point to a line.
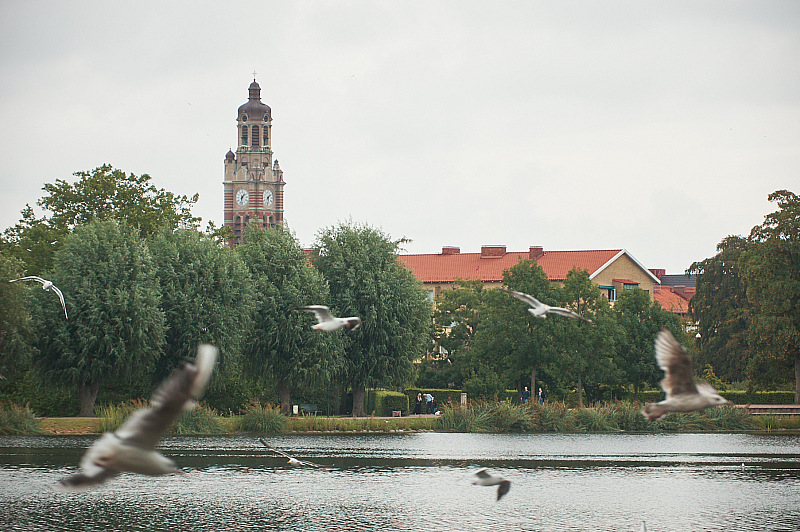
254	75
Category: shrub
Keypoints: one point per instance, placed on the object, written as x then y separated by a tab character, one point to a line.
199	420
18	420
113	416
262	419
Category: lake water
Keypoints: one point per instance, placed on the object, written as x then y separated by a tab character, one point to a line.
419	482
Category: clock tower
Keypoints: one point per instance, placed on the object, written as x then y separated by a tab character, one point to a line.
253	180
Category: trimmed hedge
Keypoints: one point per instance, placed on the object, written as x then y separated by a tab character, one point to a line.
736	397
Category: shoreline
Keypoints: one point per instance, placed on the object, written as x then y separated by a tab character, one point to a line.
89	426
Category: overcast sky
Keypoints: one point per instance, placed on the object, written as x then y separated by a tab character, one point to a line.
658	127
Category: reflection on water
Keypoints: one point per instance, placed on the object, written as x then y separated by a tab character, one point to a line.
419	482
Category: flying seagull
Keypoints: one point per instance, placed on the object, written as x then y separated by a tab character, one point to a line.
487	479
683	395
46	285
132	446
292	460
328	322
540	310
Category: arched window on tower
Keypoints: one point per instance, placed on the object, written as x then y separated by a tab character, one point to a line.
244	135
237	229
254	136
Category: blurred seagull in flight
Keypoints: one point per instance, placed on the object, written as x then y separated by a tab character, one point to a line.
328	322
540	310
46	285
292	460
484	478
683	395
132	446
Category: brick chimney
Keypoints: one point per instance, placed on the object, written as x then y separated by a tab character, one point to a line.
492	251
450	250
658	272
535	252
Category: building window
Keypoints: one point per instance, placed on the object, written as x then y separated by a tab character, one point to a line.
609	292
244	135
629	286
254	136
237	229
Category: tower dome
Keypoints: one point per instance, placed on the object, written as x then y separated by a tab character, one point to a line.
230	156
254	110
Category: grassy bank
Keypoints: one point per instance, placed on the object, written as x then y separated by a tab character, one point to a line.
481	417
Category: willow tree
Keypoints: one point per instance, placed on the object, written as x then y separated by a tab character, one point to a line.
366	279
115	329
14	317
281	344
206	297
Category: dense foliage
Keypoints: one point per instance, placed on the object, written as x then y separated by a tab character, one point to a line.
143	286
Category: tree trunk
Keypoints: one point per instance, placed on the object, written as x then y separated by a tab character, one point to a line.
797	380
533	388
580	389
87	394
283	393
358	400
636	391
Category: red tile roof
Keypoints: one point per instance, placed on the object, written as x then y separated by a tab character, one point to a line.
670	300
489	266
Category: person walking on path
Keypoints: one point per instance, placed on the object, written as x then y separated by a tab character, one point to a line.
526	395
542	396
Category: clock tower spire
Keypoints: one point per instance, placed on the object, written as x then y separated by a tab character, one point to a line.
253	180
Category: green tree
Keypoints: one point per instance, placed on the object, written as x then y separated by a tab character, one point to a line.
587	350
517	342
366	280
115	329
104	193
721	311
457	315
282	344
770	267
641	320
207	297
14	317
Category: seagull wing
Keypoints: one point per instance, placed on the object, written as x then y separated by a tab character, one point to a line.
482	473
677	366
322	312
80	481
179	392
285	455
568	313
503	488
530	300
61	297
29	278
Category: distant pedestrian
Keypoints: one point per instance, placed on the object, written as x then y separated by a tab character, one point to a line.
542	396
429	403
526	395
418	404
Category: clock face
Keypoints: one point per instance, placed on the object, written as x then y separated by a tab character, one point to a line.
242	197
268	198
